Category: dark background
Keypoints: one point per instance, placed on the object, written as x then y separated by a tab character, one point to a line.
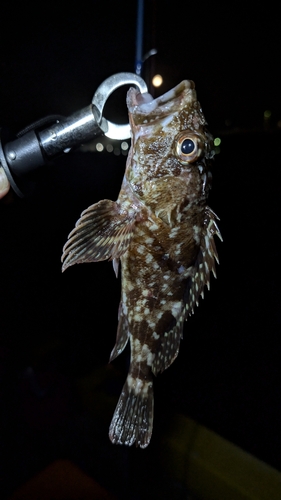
57	391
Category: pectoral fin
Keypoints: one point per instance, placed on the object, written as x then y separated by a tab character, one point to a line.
103	232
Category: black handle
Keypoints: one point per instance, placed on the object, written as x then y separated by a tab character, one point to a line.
23	156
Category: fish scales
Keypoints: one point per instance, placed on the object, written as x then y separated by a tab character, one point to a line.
162	231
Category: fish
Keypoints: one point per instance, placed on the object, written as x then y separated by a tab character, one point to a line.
161	230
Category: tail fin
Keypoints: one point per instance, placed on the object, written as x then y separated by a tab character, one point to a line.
132	421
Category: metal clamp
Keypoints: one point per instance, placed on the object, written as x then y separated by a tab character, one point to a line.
116	131
24	155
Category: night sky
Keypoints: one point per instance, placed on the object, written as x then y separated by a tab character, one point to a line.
58	330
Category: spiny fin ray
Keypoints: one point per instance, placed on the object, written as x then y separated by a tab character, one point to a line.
121	337
200	276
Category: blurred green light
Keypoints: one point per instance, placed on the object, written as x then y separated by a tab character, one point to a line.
267	113
124	145
217	141
99	147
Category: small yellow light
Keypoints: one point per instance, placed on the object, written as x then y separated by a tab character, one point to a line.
99	147
217	141
267	113
157	80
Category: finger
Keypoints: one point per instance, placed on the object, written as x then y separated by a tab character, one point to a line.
4	183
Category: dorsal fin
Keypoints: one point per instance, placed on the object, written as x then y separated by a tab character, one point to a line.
200	276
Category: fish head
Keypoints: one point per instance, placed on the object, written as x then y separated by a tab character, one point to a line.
169	138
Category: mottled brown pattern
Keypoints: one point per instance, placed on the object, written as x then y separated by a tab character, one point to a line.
162	231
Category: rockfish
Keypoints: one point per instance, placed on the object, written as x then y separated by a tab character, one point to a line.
162	231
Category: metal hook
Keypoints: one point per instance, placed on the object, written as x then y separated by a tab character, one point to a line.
103	92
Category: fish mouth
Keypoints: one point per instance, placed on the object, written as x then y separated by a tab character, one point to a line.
174	99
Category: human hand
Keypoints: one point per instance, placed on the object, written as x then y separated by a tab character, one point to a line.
4	183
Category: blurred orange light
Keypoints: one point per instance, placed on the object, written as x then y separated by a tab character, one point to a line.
157	80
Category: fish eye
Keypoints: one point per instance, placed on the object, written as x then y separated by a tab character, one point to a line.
188	147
